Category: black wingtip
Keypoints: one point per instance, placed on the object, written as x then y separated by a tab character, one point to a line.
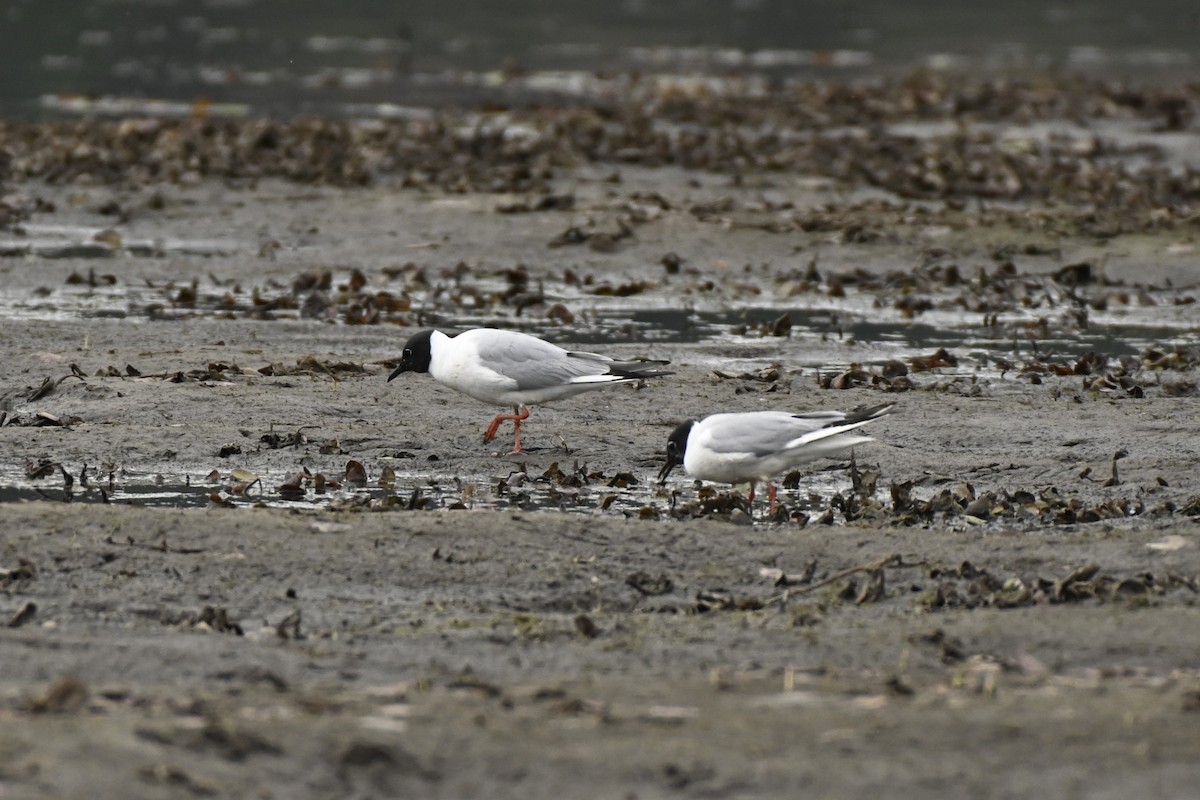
644	368
869	413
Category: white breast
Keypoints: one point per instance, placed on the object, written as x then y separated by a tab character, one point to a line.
456	364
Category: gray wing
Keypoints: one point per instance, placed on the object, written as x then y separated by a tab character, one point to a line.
762	433
533	364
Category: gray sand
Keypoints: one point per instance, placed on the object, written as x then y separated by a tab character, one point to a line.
493	651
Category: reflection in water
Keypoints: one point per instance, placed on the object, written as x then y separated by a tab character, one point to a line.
669	325
516	490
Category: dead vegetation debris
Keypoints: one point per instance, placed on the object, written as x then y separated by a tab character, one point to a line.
90	486
964	586
837	130
950	505
23	614
24	571
969	586
67	695
209	619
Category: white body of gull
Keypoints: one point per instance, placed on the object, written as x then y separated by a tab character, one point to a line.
515	369
758	445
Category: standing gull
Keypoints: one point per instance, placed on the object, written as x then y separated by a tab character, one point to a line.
758	445
510	368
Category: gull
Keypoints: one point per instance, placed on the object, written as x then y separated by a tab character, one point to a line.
511	368
758	445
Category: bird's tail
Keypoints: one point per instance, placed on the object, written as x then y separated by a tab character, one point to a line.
836	435
639	368
831	445
861	416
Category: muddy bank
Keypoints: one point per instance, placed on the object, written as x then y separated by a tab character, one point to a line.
235	561
238	651
1058	451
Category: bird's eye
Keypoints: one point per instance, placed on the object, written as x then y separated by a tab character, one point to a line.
407	352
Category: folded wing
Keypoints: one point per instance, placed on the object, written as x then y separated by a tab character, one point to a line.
529	364
763	433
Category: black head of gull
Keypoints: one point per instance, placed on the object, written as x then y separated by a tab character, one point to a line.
676	448
417	354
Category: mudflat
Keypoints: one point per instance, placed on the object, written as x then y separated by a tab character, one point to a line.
236	562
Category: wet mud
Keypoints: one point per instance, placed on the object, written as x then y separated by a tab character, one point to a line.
236	562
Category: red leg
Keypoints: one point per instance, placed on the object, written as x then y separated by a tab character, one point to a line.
524	414
493	426
771	493
750	497
519	413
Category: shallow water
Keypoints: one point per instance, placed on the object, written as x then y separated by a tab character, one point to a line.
515	489
882	332
239	57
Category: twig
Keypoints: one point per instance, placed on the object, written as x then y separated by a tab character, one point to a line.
887	561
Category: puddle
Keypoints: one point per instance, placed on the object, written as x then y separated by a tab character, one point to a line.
906	337
821	496
73	241
622	494
149	495
815	336
806	330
